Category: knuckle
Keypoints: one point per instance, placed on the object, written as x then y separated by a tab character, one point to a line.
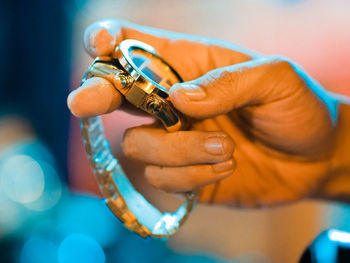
129	146
223	82
191	182
152	177
156	177
222	79
177	147
283	63
287	72
227	77
179	139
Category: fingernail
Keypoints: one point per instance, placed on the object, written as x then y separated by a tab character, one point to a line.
224	166
216	145
103	42
99	42
192	91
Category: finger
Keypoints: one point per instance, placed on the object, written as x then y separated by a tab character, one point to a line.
191	56
101	37
98	96
156	146
187	178
255	82
95	97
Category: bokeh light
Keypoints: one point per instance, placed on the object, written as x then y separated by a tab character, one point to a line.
39	250
148	250
80	248
22	179
52	190
11	216
40	214
88	215
28	182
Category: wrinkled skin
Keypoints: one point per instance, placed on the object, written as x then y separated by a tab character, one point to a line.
263	132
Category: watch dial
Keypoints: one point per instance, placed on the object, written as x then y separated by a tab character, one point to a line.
154	68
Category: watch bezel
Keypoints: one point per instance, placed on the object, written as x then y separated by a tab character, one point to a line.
122	54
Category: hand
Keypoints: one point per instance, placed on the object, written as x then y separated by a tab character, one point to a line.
261	112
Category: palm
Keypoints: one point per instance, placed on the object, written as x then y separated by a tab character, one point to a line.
281	150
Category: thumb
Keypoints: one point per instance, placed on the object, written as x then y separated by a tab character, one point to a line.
219	91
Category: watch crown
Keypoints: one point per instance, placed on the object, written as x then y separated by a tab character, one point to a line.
154	105
111	72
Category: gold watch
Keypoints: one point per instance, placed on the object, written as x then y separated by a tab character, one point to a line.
145	79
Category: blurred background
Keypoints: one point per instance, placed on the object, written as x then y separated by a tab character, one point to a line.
49	208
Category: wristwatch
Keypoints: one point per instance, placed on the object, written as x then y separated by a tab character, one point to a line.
145	79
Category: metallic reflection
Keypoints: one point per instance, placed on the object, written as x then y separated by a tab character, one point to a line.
340	236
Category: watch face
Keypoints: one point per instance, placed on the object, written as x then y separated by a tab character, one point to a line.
154	68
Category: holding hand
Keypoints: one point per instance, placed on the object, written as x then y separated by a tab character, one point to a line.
263	132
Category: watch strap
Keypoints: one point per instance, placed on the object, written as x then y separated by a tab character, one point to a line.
124	201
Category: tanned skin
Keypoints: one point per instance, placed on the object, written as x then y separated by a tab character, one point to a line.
263	132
